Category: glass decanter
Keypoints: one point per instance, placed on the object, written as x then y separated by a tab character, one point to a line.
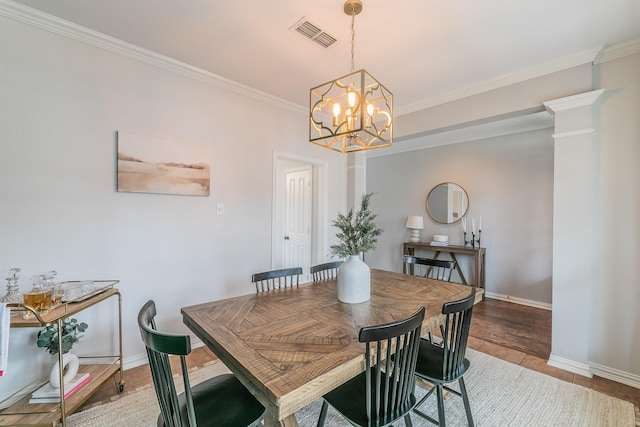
49	284
39	297
13	290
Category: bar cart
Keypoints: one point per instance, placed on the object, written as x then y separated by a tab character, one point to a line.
23	413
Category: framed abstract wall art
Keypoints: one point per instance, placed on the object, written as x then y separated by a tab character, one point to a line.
149	164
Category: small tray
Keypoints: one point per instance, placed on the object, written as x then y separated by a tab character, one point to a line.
81	290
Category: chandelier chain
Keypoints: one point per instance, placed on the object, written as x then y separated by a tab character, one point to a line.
353	41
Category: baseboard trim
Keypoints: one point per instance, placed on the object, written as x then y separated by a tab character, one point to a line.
135	361
570	365
590	369
616	375
587	370
516	300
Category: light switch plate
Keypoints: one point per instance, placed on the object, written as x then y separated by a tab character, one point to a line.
220	209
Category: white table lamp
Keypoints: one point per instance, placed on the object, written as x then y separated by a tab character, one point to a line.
415	224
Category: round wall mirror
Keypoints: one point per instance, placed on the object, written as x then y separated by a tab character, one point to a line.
447	203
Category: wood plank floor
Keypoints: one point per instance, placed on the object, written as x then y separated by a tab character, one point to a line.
511	332
514	326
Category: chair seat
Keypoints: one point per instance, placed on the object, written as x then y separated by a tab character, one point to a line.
221	401
430	363
350	400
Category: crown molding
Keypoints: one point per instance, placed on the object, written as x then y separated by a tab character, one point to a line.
620	50
55	25
492	129
578	59
573	101
596	55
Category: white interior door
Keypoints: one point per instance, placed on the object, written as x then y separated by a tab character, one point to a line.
297	219
456	204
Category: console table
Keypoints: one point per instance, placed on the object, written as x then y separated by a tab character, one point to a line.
409	248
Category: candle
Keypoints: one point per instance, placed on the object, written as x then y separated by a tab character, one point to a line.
464	225
480	225
473	225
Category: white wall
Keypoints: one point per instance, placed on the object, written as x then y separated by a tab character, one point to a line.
509	181
615	335
61	104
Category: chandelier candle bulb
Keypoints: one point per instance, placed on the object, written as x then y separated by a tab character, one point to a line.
336	114
369	114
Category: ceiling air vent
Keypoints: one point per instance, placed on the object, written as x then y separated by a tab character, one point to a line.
313	33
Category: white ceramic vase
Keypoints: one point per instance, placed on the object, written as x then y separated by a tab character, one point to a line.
70	365
354	281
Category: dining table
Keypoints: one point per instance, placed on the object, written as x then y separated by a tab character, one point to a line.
290	346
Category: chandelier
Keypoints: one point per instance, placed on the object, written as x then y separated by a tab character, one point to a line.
353	112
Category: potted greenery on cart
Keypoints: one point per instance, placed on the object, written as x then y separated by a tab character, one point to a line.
71	334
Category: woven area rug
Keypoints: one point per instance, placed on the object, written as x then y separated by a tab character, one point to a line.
501	394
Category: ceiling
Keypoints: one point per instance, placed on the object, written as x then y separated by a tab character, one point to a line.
424	51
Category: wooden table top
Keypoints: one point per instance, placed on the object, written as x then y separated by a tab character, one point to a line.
290	346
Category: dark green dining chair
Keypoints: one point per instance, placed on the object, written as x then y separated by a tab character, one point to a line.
445	363
221	401
275	279
429	267
384	392
328	270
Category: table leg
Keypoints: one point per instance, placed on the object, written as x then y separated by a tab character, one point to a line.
409	252
480	270
271	421
464	280
435	256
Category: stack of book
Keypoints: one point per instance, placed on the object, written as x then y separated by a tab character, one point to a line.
440	240
49	394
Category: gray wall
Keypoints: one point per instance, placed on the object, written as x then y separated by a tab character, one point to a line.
509	180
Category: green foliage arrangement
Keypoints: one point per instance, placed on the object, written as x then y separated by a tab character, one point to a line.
358	232
71	329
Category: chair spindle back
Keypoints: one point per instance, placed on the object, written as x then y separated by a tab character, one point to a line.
159	347
276	279
325	271
390	381
455	331
428	267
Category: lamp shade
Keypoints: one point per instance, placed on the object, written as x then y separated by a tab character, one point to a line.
415	222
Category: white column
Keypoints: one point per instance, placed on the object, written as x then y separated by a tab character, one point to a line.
575	198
